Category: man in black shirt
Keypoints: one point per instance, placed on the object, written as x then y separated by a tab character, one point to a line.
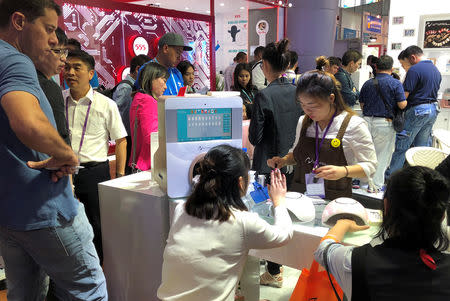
47	65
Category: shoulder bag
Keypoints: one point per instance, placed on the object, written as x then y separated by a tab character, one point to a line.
398	120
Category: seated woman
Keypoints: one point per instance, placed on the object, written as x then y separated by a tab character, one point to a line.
410	263
187	70
332	144
212	232
144	113
243	84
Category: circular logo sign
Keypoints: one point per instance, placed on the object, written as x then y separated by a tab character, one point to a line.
140	46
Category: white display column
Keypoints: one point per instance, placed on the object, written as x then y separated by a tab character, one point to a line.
311	28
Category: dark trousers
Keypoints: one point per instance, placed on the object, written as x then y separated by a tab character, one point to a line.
129	154
86	190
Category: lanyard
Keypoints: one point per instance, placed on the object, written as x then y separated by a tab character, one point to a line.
172	78
84	125
318	147
248	96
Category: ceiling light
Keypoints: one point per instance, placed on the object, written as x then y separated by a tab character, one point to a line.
280	2
242	7
186	8
208	11
290	4
222	4
157	3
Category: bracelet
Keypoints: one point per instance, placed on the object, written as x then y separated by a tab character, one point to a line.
346	171
330	236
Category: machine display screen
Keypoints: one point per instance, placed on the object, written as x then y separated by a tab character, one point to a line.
203	124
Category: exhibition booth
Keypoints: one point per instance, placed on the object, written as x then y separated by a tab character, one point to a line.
136	210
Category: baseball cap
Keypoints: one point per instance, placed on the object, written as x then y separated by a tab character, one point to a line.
173	39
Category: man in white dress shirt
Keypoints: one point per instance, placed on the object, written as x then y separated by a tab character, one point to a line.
92	119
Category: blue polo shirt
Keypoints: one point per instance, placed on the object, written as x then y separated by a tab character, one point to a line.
28	198
392	90
422	82
174	82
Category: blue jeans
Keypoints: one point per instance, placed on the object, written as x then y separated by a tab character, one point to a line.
419	121
65	253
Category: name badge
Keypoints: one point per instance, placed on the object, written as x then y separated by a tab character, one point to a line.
314	186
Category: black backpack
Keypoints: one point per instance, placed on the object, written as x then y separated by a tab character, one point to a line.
109	92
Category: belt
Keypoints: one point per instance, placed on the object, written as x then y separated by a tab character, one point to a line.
424	103
92	164
378	116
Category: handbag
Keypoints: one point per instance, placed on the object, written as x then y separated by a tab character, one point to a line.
317	286
398	120
134	168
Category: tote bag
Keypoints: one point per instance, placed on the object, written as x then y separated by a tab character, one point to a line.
313	285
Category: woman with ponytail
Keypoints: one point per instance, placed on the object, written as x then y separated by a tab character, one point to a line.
272	126
212	232
410	263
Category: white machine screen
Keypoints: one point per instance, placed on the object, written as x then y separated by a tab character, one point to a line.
203	124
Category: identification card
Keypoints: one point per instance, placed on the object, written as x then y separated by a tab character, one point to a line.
314	186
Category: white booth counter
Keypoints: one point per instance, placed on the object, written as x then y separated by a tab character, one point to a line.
135	224
135	216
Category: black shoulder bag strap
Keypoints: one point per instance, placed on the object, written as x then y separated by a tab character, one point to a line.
325	262
377	86
133	162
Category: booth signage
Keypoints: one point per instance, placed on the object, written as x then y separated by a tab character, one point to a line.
374	24
140	46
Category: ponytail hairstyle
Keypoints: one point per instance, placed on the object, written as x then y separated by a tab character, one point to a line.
416	200
277	55
218	190
319	85
322	63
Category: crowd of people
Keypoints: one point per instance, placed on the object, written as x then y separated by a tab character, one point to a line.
306	136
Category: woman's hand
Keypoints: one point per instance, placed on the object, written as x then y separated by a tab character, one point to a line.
331	172
277	187
350	225
276	162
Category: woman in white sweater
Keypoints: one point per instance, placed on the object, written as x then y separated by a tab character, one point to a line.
212	232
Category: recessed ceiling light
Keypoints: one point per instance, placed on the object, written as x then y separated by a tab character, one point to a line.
280	2
186	8
208	11
290	4
242	7
222	4
157	3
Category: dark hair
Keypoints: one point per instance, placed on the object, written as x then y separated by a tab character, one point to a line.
385	62
74	42
241	55
411	50
237	70
351	56
334	60
293	58
84	57
276	54
258	50
322	62
149	72
138	60
61	36
183	66
416	201
32	9
320	84
218	190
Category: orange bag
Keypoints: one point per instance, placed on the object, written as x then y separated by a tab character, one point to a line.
313	285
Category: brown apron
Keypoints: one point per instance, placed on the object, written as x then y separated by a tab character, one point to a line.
304	155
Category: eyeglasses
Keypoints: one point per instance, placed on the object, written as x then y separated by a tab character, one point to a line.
61	52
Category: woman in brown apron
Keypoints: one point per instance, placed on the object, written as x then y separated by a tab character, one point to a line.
332	144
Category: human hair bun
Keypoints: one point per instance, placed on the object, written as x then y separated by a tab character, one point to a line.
436	187
321	62
282	46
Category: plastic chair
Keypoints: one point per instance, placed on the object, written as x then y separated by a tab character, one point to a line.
441	139
425	156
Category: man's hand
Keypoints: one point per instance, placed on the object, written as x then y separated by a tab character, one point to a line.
60	167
